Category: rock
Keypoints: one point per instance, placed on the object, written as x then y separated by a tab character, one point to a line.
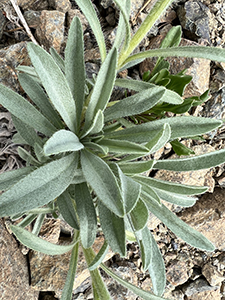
198	68
14	274
212	275
194	18
31	4
50	31
174	295
207	216
200	178
32	17
177	272
10	58
201	290
214	107
60	5
76	13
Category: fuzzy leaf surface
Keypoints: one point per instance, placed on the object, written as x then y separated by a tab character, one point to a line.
25	111
180	127
139	215
100	177
113	228
62	141
86	213
35	243
99	257
74	65
39	187
136	167
9	178
198	162
135	104
54	83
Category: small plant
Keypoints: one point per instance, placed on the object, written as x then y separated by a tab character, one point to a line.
85	163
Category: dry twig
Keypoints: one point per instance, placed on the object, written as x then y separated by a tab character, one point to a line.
23	21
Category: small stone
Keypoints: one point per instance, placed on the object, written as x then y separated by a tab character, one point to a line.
32	18
50	31
207	216
212	275
14	274
194	18
2	23
177	272
60	5
199	287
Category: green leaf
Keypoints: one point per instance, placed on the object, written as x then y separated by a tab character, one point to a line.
99	289
40	99
157	269
130	189
38	150
198	162
58	59
74	65
123	22
54	83
149	194
113	228
96	147
68	287
171	187
27	220
160	139
9	178
180	228
96	125
35	243
157	10
25	111
99	257
39	187
177	199
88	10
124	7
86	213
181	149
62	141
140	292
138	86
118	146
139	215
173	37
26	132
67	209
145	242
211	53
102	180
137	167
103	88
38	224
184	126
25	155
135	104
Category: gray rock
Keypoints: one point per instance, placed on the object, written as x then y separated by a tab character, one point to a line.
60	5
194	18
198	286
31	4
2	23
212	275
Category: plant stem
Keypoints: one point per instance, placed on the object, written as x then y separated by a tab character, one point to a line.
100	291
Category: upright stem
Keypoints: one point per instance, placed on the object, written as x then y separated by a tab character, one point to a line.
100	291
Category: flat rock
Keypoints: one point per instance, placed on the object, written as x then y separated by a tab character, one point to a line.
212	275
201	290
14	274
50	31
31	4
207	216
198	68
177	272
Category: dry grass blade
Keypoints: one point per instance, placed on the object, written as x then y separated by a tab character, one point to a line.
23	21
